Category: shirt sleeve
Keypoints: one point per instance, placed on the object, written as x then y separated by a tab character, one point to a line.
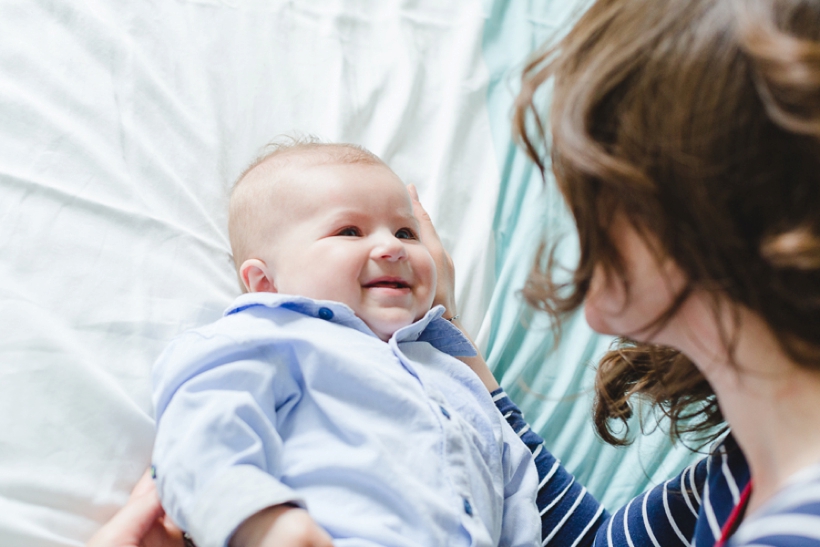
519	525
569	514
217	451
665	515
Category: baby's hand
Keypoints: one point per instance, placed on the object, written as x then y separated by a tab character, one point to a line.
281	526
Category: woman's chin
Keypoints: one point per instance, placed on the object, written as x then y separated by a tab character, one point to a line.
597	321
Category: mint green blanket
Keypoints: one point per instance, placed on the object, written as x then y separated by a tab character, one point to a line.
551	382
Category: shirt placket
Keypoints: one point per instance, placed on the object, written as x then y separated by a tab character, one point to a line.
455	445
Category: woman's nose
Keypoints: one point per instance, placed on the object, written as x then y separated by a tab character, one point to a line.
389	247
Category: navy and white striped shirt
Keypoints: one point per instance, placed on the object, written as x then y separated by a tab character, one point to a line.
690	509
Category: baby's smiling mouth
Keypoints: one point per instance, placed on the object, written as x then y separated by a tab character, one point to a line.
388	283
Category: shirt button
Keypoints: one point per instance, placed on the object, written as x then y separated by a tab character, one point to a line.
467	507
325	313
444	411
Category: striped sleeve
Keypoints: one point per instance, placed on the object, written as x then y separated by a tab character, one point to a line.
570	516
664	516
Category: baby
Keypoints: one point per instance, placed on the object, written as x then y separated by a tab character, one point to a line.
331	386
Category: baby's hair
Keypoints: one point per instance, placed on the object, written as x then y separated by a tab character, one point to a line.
282	152
328	152
699	121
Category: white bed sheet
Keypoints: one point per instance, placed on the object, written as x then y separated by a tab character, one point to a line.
122	125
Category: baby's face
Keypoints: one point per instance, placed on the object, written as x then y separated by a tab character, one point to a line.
346	232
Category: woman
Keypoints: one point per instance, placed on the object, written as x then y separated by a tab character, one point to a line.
686	141
685	137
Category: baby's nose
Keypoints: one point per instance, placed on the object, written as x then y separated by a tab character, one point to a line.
389	247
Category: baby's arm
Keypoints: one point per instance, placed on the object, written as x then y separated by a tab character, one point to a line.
279	526
217	453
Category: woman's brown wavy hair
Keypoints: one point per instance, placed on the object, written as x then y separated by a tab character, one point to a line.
699	120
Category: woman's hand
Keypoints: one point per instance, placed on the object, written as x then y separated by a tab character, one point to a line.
141	523
446	287
446	272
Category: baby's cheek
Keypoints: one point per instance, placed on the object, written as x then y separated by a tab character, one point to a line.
428	294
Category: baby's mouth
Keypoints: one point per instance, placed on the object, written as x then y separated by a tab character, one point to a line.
388	283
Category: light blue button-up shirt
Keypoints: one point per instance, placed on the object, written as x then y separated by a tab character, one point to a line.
287	399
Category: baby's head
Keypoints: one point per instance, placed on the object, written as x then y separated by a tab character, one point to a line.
332	222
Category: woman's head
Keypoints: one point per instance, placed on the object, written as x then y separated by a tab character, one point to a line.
696	124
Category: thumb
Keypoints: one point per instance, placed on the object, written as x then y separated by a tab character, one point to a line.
130	525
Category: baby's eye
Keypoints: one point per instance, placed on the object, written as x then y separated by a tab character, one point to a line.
349	231
406	233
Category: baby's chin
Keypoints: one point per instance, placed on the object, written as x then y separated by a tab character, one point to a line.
384	321
386	335
385	329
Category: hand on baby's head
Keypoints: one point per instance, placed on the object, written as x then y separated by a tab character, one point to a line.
445	269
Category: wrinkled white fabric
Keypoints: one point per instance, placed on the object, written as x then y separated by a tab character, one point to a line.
122	125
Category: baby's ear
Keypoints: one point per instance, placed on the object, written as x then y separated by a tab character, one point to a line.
256	276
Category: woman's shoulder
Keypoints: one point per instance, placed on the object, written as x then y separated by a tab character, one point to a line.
792	517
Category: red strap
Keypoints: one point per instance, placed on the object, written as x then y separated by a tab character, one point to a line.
733	521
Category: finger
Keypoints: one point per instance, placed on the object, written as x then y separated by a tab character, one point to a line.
131	523
428	231
164	534
140	514
418	210
145	484
170	526
414	194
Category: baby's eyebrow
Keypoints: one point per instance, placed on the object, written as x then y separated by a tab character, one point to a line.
408	217
355	216
338	215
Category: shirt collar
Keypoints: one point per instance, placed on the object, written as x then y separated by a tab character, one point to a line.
438	332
